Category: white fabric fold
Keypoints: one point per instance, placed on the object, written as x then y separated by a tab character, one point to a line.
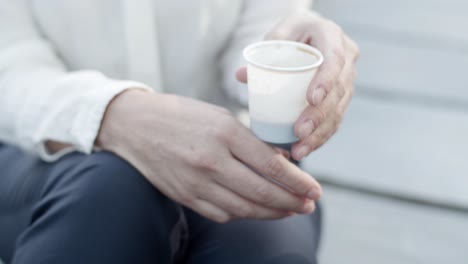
62	62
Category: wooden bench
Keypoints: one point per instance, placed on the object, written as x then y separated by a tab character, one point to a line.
396	173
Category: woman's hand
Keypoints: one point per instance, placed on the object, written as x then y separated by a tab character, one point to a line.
200	156
330	91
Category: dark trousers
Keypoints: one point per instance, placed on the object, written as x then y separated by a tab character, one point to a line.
99	209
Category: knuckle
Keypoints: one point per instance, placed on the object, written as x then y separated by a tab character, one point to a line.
194	186
262	193
211	164
349	92
219	133
206	162
320	134
328	83
341	90
227	129
300	186
316	140
274	167
339	118
331	26
336	27
319	116
229	123
339	56
355	49
277	34
185	199
245	212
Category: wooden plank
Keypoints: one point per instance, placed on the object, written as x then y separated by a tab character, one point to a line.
400	148
436	19
367	230
416	47
428	73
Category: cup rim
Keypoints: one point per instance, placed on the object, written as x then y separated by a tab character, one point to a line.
306	47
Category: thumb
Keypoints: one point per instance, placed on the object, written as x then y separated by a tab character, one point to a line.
241	74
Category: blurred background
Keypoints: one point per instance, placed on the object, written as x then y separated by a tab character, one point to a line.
395	176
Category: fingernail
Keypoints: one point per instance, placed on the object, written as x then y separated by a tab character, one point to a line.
306	129
309	207
301	152
312	195
318	95
315	193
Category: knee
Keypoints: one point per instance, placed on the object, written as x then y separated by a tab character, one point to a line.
105	176
105	183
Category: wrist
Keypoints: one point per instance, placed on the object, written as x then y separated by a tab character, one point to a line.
119	109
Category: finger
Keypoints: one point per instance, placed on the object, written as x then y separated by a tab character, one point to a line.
313	116
312	139
283	152
323	83
304	147
322	134
239	207
255	188
352	47
348	74
264	160
241	74
209	211
332	118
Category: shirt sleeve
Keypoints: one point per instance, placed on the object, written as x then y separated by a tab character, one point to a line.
39	99
257	18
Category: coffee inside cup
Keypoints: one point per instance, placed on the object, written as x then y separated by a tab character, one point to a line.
281	57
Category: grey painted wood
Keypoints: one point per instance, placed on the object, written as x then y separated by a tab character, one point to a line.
415	19
400	148
406	133
418	47
428	73
364	229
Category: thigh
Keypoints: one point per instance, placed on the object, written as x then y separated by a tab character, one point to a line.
22	177
293	240
112	213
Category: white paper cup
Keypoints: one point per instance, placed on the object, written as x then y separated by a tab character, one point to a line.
279	73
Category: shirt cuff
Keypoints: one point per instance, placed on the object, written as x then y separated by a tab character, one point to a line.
87	123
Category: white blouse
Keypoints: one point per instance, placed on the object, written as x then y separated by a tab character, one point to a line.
61	62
